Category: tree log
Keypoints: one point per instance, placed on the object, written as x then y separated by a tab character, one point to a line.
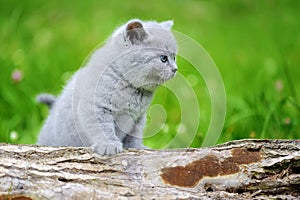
244	169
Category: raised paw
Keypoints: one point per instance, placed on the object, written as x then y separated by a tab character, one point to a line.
109	148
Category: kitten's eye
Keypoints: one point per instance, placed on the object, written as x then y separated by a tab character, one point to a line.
163	58
174	58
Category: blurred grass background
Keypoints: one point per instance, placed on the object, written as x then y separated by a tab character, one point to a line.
255	44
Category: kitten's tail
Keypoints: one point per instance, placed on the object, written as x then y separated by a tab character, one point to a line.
47	99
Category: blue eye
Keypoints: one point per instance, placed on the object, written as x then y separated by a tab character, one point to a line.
163	58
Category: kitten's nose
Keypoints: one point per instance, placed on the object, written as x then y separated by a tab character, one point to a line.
174	70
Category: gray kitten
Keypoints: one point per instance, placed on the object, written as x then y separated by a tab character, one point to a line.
104	104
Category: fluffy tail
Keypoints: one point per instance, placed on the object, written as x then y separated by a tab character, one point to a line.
47	99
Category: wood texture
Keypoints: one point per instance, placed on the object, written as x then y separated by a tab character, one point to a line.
244	169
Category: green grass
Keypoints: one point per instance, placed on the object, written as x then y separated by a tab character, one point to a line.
255	44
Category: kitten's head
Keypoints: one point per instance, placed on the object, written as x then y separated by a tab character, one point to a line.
149	53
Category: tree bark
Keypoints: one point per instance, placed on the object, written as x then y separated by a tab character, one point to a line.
244	169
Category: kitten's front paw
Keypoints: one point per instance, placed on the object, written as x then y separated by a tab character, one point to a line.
109	148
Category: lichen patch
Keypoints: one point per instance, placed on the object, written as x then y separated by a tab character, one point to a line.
209	166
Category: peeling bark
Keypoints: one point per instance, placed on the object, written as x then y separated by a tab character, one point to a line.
245	169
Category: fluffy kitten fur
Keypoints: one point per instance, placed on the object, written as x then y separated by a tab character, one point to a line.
104	104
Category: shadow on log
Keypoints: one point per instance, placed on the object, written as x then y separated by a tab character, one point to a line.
244	169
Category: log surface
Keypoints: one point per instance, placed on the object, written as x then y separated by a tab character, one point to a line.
243	169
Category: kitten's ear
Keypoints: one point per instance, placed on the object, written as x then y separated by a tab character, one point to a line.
167	24
135	32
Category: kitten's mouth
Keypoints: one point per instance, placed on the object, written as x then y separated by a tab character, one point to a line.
173	74
151	87
159	79
166	76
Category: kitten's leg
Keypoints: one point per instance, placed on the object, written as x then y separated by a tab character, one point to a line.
104	141
135	138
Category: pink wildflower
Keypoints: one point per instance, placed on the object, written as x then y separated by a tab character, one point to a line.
17	76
